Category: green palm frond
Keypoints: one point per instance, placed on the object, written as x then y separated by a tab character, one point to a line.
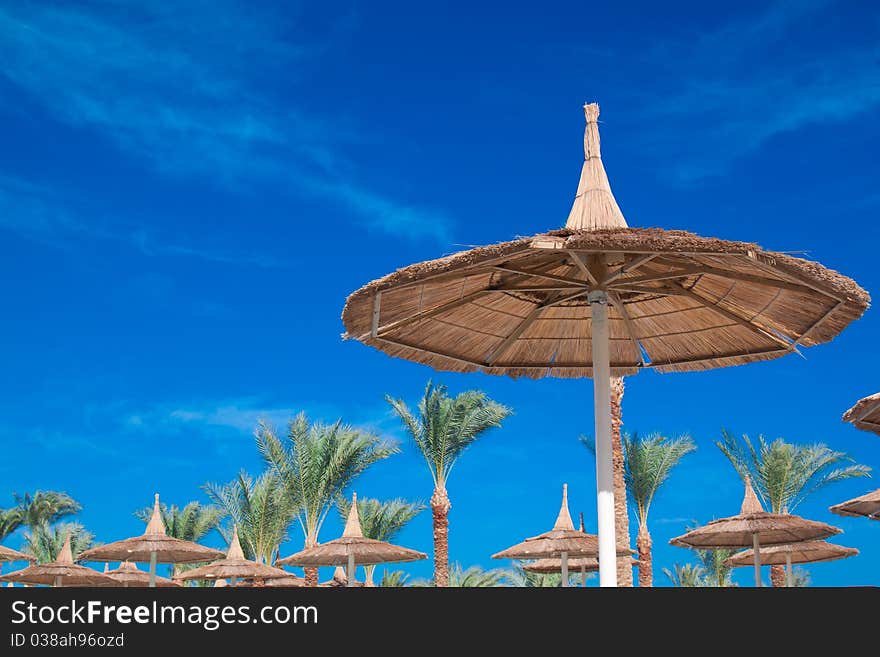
784	474
381	520
45	507
648	462
44	542
394	579
473	577
260	508
800	577
10	520
445	426
715	571
190	523
521	578
317	462
686	575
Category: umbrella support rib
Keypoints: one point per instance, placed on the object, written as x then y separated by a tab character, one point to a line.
756	547
604	466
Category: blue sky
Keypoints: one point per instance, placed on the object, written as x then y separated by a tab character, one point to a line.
188	193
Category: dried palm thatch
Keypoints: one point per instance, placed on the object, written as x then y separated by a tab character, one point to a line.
562	539
128	575
233	566
352	545
554	566
8	554
61	572
803	552
153	544
867	505
865	414
677	301
754	523
339	579
289	581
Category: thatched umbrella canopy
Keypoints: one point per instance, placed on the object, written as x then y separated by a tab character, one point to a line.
597	299
865	414
289	581
867	505
61	572
352	550
562	542
153	546
8	554
234	567
339	580
803	552
130	576
754	527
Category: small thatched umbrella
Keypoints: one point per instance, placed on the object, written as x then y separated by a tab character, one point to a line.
8	554
803	552
234	567
352	550
867	505
61	572
562	542
597	299
754	527
130	576
340	580
153	546
865	415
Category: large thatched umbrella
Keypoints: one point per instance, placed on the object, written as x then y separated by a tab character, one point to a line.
153	546
865	415
754	527
8	554
867	505
352	550
61	572
597	299
803	552
562	542
234	567
130	576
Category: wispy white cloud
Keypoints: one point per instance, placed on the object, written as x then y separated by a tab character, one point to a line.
752	79
184	87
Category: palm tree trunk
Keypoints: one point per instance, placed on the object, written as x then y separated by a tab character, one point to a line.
311	573
777	576
646	566
621	517
440	506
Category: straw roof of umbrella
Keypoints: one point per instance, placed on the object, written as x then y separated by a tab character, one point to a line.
339	579
8	554
129	575
366	551
153	540
234	566
803	552
740	530
289	581
562	538
865	414
677	301
867	505
63	568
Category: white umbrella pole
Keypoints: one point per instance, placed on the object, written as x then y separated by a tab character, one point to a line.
756	547
583	577
604	466
57	582
153	569
789	576
350	571
564	569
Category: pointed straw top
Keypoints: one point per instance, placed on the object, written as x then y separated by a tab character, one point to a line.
563	520
156	526
66	555
353	522
235	551
751	503
594	205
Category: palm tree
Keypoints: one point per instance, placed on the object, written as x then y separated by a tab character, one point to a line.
784	474
394	578
715	571
800	577
621	513
10	520
45	507
44	542
473	577
261	509
444	428
648	463
381	521
522	578
686	575
317	463
190	523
